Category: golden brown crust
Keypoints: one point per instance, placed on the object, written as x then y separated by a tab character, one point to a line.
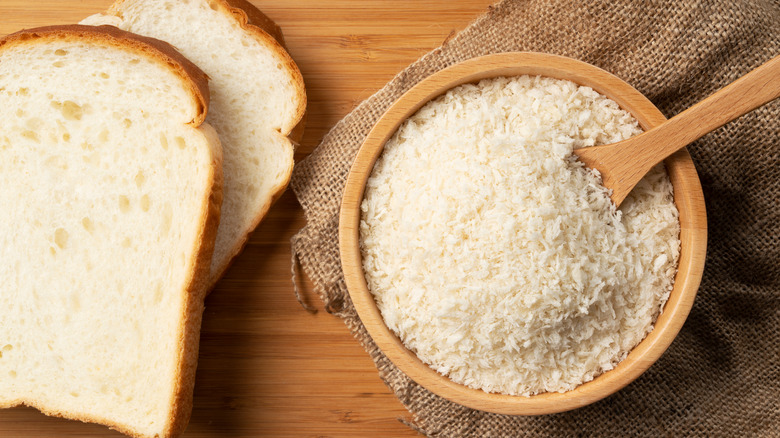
196	293
245	13
256	23
73	416
267	33
276	194
196	289
109	35
255	17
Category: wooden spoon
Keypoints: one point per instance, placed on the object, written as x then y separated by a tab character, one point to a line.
624	163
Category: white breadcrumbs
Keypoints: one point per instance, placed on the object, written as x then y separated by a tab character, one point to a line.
497	257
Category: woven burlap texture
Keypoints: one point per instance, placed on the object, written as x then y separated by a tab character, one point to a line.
721	376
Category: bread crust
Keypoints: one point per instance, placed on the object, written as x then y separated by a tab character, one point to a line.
189	342
191	74
254	21
198	277
269	34
257	18
258	24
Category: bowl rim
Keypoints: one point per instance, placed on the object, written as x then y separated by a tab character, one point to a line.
688	197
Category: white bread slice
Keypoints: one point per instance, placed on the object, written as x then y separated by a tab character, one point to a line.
110	199
257	98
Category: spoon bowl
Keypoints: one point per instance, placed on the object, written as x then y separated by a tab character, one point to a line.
623	164
687	197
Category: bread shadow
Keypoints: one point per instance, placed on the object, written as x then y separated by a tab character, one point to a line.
228	398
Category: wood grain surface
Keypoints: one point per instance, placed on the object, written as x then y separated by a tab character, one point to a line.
267	367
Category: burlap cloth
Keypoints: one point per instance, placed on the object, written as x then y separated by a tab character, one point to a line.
721	376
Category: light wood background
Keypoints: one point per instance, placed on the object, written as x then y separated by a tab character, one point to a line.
267	367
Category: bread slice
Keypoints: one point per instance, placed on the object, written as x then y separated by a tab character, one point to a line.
111	187
257	98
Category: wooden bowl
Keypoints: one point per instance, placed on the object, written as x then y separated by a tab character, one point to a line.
687	196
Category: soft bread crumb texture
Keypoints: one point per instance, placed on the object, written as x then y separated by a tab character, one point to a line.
104	188
499	259
255	102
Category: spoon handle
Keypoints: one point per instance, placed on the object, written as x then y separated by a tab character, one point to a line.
623	164
747	93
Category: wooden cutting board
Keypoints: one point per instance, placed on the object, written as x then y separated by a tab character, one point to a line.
267	367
